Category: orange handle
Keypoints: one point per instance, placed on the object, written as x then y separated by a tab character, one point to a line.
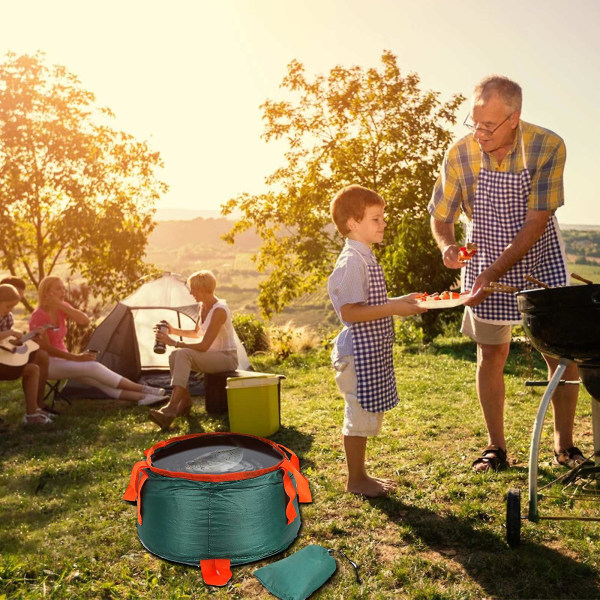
293	457
131	493
216	571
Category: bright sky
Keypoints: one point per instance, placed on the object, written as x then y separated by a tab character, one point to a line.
189	75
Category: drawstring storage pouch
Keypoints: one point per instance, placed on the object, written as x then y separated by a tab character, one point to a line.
299	575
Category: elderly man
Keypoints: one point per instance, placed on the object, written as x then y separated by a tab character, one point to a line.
507	180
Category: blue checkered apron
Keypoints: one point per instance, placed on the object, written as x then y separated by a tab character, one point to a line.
373	344
499	210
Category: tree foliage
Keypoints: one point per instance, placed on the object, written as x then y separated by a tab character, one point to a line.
73	190
374	127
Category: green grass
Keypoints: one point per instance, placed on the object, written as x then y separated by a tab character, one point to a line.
591	272
66	533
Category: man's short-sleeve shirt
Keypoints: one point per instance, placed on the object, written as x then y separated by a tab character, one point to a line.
454	189
349	284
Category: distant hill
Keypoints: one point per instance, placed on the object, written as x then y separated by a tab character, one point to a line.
567	227
199	232
186	246
184	214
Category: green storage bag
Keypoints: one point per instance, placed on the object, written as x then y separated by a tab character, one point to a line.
299	575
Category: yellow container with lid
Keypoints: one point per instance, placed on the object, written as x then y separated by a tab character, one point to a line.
254	404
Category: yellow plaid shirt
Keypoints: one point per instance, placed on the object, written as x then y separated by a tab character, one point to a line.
454	189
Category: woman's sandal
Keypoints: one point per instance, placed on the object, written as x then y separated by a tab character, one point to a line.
492	458
571	457
49	410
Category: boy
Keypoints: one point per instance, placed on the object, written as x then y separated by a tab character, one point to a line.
362	353
30	372
39	357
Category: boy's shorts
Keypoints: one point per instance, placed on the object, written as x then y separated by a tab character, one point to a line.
483	332
357	421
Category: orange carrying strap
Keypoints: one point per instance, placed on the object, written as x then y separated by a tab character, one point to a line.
134	489
131	493
301	487
293	458
216	571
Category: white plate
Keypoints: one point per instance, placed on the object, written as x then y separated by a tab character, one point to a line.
430	304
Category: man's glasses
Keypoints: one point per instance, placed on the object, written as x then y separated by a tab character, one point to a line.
483	132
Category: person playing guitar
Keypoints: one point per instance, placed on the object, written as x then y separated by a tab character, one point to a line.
29	371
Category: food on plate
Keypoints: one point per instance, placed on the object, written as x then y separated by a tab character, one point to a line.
467	252
447	295
445	299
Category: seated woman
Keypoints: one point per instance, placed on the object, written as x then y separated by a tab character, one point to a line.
62	364
30	372
216	352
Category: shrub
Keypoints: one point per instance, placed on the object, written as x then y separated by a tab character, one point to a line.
408	332
288	339
251	332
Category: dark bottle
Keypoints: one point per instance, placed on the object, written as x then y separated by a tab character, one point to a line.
159	347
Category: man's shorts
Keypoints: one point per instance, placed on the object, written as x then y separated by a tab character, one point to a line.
483	332
357	421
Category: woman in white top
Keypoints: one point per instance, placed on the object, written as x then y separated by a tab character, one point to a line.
215	353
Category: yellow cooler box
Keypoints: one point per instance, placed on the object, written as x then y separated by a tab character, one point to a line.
254	404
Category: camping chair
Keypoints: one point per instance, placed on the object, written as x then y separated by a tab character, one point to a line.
55	391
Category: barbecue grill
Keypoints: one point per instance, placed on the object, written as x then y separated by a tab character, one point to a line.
564	323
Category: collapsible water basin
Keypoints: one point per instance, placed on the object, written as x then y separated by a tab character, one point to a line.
217	499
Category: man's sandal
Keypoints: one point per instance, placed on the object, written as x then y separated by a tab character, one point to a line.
492	458
571	457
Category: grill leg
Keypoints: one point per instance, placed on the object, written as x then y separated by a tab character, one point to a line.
536	435
596	428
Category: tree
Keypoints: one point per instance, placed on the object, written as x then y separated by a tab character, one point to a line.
372	127
73	190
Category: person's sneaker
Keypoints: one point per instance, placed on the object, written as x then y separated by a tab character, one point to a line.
152	399
156	391
36	419
43	411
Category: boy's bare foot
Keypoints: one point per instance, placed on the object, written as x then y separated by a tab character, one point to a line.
390	485
370	487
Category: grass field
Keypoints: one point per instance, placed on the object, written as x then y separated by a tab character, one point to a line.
66	533
591	272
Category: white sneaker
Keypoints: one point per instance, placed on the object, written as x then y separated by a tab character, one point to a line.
156	391
41	411
36	419
152	399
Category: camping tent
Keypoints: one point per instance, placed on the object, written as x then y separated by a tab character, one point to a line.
125	338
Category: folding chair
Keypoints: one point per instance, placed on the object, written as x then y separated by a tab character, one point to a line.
54	391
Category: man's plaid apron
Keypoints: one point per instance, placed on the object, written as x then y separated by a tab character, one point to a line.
499	210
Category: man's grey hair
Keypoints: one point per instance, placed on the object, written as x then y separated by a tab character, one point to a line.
508	90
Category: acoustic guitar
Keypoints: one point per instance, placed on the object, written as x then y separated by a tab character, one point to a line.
17	354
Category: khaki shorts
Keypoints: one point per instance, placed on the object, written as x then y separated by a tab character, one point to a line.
357	421
483	332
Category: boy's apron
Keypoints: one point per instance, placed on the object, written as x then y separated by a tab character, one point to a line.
499	210
373	343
